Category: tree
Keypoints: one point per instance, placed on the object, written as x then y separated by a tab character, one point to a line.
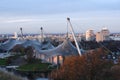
29	53
18	48
115	70
90	66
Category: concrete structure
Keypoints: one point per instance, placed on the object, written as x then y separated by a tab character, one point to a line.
90	35
103	35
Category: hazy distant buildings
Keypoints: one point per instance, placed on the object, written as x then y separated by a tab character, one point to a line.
103	35
90	36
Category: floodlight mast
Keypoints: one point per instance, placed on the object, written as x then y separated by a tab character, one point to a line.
76	43
42	38
21	33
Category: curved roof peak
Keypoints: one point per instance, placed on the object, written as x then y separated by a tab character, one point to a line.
64	49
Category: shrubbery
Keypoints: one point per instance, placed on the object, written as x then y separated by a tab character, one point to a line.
7	76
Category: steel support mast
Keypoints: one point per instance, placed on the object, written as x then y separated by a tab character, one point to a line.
76	43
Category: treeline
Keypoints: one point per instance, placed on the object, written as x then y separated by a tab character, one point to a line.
113	46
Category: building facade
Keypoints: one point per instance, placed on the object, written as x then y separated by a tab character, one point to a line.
103	35
90	35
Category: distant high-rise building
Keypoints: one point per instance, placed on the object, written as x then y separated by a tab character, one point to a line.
15	35
103	35
90	35
98	36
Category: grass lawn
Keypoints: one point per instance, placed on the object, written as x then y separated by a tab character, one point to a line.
2	62
34	67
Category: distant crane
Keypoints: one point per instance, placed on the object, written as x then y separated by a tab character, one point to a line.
76	43
21	32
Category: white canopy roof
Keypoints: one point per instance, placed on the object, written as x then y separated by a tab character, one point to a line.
65	49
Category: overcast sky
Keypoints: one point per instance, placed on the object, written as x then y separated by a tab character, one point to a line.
52	14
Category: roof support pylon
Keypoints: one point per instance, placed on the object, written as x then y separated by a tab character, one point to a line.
76	43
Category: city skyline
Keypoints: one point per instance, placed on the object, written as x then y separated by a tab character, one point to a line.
52	14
